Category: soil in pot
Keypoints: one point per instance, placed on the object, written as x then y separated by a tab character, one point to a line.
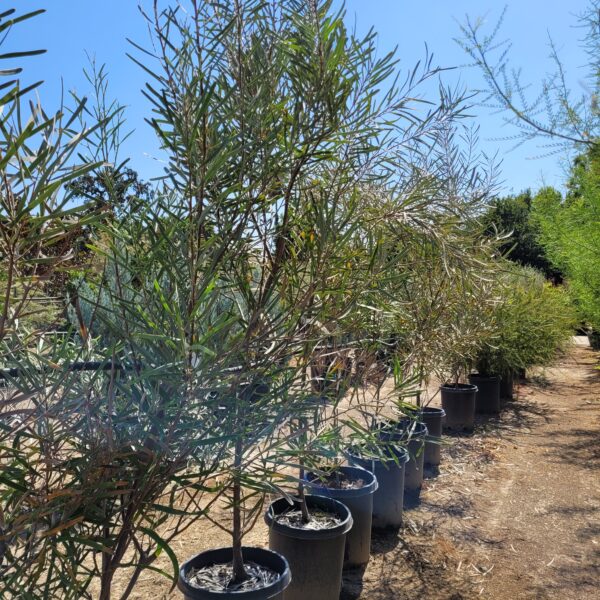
354	487
433	418
458	402
208	576
314	552
487	399
388	500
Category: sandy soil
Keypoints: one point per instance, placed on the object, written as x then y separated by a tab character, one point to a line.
514	511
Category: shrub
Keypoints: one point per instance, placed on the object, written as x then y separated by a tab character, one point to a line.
532	321
571	233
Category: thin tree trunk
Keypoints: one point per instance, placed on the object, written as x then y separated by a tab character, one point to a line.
302	496
239	572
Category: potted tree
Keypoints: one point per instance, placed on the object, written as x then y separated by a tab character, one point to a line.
531	322
468	327
268	161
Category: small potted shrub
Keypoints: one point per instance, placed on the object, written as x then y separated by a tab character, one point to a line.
468	326
310	530
311	533
458	402
409	433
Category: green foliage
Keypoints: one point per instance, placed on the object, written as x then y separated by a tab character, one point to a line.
301	210
38	157
554	113
570	231
531	321
214	297
511	217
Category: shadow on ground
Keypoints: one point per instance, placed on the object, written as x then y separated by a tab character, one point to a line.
578	447
408	566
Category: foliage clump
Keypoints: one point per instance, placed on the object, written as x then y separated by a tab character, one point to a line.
532	320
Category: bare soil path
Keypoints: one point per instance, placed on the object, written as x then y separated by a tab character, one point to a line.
520	500
514	512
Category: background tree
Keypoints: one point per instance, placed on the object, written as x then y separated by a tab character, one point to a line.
111	190
511	218
570	229
555	113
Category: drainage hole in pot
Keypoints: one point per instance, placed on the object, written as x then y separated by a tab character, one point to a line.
218	577
319	520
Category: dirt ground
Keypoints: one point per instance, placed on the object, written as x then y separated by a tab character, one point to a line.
514	511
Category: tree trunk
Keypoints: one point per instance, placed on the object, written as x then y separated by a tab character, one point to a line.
239	572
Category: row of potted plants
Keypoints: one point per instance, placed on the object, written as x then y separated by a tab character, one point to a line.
309	553
309	243
312	537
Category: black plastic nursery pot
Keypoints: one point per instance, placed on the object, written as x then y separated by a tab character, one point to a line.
388	500
316	557
412	435
487	399
433	418
458	402
507	383
360	503
594	339
265	558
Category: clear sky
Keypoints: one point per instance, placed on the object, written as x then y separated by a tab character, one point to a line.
70	28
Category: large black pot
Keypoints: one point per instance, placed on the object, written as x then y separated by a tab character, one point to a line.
411	434
433	418
507	383
487	400
388	500
360	503
316	558
265	558
594	339
458	402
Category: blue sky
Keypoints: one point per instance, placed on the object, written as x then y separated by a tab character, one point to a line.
70	28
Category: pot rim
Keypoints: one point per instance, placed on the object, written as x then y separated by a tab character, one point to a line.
217	555
458	389
401	452
434	410
313	501
316	485
480	377
403	430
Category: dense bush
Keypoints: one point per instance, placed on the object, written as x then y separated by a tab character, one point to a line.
531	321
570	231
